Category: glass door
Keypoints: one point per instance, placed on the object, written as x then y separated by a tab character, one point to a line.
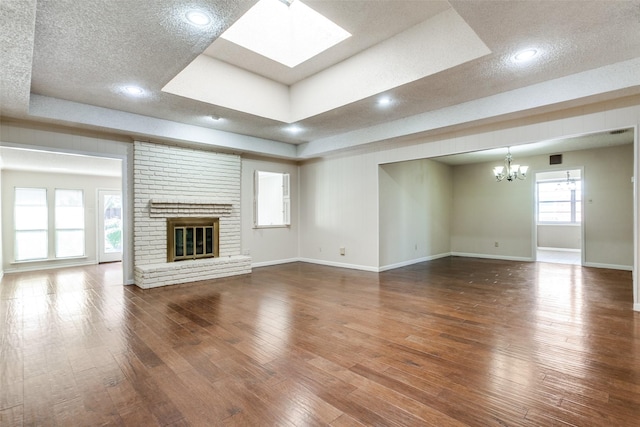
109	226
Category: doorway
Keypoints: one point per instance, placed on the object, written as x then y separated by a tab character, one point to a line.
109	226
559	216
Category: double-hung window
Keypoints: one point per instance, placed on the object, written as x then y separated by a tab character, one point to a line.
69	215
272	201
559	201
31	222
31	219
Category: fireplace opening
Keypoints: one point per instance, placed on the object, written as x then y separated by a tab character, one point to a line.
192	238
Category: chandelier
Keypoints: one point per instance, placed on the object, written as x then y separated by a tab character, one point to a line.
509	171
569	184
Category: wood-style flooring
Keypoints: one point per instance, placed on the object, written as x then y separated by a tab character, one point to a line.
451	342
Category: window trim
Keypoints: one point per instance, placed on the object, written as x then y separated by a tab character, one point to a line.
286	199
16	231
51	230
575	221
56	229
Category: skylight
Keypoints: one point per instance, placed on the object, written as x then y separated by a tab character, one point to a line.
288	32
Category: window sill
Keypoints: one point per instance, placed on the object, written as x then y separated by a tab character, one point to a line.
563	224
257	227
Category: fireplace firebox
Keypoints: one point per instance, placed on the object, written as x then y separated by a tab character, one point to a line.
192	238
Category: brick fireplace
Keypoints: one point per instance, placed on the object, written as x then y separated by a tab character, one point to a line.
176	182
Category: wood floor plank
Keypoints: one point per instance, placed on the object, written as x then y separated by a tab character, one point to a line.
450	342
12	416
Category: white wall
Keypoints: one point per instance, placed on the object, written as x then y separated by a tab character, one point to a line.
559	236
486	211
415	212
339	208
268	245
50	181
1	234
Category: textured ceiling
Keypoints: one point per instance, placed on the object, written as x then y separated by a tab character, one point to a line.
67	61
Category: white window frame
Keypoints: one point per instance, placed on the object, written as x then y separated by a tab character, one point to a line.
57	229
16	232
575	218
284	203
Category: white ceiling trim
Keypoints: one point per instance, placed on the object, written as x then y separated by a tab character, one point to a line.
442	42
611	78
147	128
215	82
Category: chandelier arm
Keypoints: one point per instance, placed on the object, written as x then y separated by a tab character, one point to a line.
509	171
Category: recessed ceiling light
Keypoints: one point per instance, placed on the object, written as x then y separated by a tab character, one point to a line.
525	55
294	129
384	101
133	90
198	18
216	118
288	32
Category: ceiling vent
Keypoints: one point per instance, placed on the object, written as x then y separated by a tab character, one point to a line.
555	159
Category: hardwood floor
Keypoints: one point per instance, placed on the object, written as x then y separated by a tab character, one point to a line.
451	342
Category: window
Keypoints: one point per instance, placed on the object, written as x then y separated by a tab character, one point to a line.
271	199
69	215
31	224
560	201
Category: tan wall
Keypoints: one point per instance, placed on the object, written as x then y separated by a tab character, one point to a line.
560	236
485	211
415	211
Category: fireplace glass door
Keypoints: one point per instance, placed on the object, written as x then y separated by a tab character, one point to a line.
192	238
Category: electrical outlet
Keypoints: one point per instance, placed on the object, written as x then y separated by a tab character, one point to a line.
496	244
247	251
342	251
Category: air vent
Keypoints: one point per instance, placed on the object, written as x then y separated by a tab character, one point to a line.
555	159
618	132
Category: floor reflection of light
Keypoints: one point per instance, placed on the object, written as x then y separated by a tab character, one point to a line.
34	307
71	277
273	320
112	305
560	288
73	304
559	305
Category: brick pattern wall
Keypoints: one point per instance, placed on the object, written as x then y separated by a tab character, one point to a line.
166	172
165	208
155	275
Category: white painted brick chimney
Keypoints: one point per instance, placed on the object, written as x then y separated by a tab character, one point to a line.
189	179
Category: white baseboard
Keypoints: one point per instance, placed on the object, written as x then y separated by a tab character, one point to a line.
486	256
276	262
610	266
419	260
26	267
412	261
340	265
